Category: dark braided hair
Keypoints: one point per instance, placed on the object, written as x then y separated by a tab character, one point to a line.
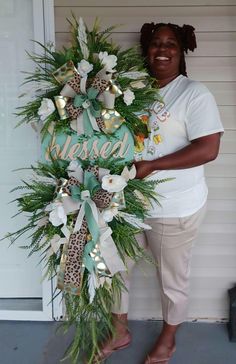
185	36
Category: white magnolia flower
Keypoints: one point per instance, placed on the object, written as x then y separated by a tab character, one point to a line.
109	61
84	67
129	174
113	183
108	214
128	97
57	216
47	107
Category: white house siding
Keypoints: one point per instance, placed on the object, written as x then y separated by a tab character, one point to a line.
213	63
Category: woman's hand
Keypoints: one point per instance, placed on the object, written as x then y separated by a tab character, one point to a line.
143	169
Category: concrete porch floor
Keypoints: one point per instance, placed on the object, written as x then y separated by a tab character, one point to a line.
37	343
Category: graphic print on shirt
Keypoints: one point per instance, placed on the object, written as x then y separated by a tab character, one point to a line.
159	109
159	114
139	138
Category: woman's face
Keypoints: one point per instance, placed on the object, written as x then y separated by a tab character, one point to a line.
164	54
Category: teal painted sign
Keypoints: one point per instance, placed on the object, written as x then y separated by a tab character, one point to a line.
73	147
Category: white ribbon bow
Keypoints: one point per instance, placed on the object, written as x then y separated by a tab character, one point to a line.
109	251
75	170
55	242
86	198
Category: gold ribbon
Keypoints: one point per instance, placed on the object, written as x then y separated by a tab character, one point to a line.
66	72
113	88
112	120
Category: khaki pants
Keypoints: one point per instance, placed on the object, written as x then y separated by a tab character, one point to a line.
170	241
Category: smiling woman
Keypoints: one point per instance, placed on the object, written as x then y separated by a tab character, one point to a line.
165	49
164	55
184	133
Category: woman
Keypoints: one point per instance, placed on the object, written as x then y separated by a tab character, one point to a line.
184	134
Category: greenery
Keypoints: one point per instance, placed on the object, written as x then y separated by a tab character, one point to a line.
91	317
92	321
47	86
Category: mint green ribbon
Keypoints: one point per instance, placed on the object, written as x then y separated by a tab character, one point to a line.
92	223
75	192
87	259
88	207
91	110
90	182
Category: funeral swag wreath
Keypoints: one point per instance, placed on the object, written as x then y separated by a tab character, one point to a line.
84	204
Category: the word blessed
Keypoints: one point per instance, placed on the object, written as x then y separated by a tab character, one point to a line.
69	147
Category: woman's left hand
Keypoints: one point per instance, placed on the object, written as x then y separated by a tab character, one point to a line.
143	168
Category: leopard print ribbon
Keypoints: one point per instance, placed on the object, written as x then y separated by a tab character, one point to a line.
71	267
71	89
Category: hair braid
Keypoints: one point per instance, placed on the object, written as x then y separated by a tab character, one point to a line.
189	38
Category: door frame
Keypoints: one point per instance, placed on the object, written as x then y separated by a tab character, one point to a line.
44	32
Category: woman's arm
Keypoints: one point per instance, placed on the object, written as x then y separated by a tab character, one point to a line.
200	151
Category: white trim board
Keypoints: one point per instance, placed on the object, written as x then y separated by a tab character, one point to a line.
43	20
49	24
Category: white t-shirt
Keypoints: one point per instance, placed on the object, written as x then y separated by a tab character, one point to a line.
188	111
